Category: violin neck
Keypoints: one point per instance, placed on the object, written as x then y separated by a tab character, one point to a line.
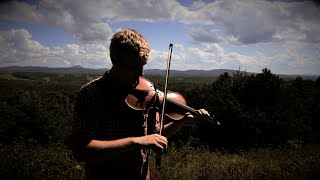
181	107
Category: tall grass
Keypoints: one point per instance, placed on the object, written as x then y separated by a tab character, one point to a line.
28	160
301	162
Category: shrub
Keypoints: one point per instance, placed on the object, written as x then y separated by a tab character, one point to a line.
26	159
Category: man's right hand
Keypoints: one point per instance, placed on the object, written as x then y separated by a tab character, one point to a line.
153	141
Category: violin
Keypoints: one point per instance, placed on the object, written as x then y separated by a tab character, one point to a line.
145	95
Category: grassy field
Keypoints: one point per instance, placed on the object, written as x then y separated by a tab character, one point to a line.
27	160
10	76
261	163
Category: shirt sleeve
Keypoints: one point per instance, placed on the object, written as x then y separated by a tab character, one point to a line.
83	124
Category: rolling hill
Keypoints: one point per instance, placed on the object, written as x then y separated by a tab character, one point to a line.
151	72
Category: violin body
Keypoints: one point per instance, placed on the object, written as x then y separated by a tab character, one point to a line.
145	95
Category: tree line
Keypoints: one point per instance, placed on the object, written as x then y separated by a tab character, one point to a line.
254	109
260	109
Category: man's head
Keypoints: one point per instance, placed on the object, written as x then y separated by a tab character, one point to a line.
129	48
129	52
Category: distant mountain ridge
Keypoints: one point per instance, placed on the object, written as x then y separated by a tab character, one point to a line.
56	70
77	69
214	72
81	70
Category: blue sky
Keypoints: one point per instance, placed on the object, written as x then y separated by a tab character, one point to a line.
213	34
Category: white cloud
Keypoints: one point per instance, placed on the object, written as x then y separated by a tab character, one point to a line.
88	20
72	49
293	26
293	59
248	21
197	4
18	48
179	59
201	35
17	45
80	19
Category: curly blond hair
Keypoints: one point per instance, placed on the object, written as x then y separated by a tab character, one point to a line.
129	47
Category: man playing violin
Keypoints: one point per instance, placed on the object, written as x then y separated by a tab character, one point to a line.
108	135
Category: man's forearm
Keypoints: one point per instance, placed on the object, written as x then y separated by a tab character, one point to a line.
112	145
101	150
98	150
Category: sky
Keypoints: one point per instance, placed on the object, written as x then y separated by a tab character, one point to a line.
249	35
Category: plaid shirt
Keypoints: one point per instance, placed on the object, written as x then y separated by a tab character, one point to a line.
102	114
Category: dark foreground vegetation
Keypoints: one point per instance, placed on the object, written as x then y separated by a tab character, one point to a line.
270	128
29	160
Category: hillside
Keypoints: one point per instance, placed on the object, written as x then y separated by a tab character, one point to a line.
150	72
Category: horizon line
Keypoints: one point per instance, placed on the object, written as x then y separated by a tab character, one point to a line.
164	69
